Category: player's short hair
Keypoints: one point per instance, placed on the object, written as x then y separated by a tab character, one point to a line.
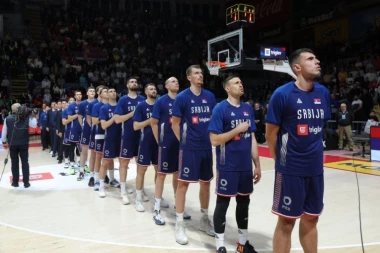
132	77
103	88
75	92
294	57
228	79
99	88
190	69
59	101
90	88
149	84
111	88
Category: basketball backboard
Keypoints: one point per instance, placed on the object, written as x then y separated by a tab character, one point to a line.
226	49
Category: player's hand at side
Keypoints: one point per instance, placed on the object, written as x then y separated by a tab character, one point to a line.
243	127
256	175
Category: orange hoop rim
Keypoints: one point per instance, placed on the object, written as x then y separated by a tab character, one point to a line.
216	64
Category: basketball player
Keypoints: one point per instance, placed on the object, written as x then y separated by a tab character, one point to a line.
91	182
75	129
99	140
68	153
232	131
124	111
296	115
86	128
168	146
148	149
111	146
191	115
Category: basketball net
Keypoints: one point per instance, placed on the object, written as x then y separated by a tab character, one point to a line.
214	66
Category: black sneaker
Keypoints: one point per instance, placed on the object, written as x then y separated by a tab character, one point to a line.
15	184
106	180
247	248
222	250
91	183
26	185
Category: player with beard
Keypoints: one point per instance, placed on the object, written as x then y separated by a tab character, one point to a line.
111	147
124	111
86	129
296	115
148	149
232	131
168	146
191	115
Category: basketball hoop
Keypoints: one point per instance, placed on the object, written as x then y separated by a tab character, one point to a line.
214	66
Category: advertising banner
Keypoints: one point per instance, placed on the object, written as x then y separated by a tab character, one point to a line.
331	31
364	23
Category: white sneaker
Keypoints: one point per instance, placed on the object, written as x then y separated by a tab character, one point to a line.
163	203
180	233
205	225
129	190
139	207
144	197
51	153
66	166
186	216
102	193
157	218
125	199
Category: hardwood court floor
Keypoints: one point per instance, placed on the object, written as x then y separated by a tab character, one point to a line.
59	214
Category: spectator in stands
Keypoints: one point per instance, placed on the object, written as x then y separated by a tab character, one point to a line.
344	119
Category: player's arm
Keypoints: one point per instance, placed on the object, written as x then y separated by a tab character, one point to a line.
72	117
256	160
154	125
107	123
137	125
65	121
219	139
80	119
89	119
176	121
122	118
95	120
271	133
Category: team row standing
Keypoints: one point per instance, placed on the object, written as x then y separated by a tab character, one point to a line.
175	133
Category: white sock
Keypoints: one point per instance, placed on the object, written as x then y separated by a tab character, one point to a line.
204	212
123	188
101	187
96	176
72	163
78	159
111	174
179	217
243	235
81	169
138	194
157	203
66	160
92	174
219	240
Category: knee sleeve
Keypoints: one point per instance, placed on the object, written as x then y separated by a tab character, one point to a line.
222	204
77	150
242	208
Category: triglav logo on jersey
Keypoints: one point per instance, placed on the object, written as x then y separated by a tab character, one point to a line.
317	101
304	130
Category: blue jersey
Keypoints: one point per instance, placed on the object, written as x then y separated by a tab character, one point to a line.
143	112
113	132
126	105
88	109
64	116
236	154
300	116
95	113
72	110
195	113
82	110
162	111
